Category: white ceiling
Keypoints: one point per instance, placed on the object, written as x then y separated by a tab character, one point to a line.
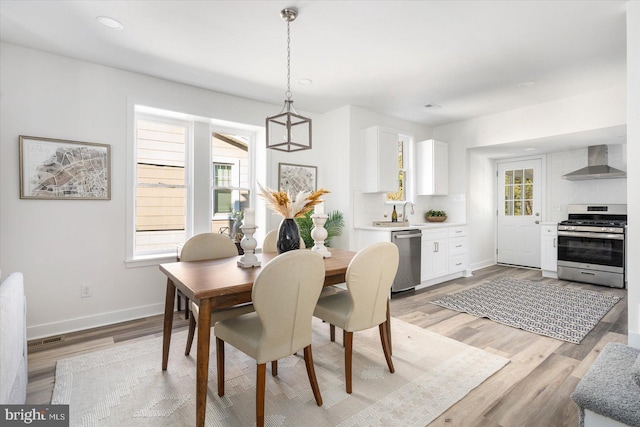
392	57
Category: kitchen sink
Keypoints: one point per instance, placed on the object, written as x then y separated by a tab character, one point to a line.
390	224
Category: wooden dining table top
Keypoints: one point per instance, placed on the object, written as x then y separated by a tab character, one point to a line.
227	284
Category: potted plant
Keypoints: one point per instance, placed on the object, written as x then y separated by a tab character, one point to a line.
435	216
334	226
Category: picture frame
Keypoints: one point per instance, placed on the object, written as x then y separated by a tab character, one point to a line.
295	178
58	169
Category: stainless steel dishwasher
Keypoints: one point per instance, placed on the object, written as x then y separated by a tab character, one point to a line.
409	245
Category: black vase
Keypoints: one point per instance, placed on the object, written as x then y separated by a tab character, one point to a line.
288	235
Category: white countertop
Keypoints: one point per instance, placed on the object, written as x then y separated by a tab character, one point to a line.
420	226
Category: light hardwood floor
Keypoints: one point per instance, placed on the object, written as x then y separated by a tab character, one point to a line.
532	390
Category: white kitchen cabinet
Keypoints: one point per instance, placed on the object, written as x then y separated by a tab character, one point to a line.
458	249
379	160
444	250
435	254
549	250
432	172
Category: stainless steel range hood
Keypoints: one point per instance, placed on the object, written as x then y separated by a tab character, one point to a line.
597	168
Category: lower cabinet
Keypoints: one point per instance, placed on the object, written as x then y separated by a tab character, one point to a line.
549	250
435	254
445	252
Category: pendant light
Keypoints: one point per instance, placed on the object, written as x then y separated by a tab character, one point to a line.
288	131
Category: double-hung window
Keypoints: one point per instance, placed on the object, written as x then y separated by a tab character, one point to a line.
161	184
231	178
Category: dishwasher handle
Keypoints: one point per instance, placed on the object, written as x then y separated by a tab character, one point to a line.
408	236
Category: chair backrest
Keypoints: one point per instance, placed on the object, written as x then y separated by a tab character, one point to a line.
270	242
208	246
369	278
269	245
284	295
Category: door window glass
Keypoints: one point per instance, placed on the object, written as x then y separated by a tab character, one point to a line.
518	192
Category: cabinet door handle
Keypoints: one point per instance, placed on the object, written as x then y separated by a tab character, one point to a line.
554	242
458	246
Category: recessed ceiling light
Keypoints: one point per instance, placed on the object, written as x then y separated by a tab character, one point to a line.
432	106
305	82
529	149
526	84
110	22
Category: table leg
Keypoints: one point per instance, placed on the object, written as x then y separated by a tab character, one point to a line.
168	322
202	360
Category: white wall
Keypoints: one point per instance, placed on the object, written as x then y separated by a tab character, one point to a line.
62	244
633	174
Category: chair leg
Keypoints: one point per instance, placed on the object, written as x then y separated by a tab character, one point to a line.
388	325
332	332
220	365
192	331
311	372
187	310
274	368
384	338
260	391
348	355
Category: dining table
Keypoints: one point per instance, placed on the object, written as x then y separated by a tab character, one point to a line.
221	283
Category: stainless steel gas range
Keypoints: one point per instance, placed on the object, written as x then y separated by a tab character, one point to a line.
591	245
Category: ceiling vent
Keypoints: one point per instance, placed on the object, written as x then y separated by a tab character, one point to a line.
597	168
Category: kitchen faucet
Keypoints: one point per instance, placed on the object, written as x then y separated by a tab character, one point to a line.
404	211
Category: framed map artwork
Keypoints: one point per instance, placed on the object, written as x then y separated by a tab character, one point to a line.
64	170
296	178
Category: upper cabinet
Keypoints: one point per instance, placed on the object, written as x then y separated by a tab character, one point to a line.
432	172
379	160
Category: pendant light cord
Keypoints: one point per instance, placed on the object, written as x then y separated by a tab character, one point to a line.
288	92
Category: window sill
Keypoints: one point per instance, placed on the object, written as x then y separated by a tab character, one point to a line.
150	260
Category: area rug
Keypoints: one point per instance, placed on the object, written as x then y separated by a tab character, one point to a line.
566	314
125	386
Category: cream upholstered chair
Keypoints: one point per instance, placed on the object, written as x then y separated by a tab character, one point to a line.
284	295
270	242
210	246
365	304
269	245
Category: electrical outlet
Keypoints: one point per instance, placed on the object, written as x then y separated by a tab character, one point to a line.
85	291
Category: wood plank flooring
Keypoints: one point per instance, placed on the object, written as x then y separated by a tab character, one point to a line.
532	390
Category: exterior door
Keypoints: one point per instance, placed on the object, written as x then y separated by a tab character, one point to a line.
519	191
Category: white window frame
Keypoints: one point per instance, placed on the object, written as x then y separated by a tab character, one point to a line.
140	112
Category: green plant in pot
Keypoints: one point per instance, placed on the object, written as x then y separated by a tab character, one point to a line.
433	215
334	226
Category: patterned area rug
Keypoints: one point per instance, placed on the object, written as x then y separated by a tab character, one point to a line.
124	386
567	314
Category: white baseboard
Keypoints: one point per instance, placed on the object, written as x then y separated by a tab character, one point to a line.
633	339
88	322
591	419
482	264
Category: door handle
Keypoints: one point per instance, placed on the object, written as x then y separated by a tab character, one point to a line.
537	222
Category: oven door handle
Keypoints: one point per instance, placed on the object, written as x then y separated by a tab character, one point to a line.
591	235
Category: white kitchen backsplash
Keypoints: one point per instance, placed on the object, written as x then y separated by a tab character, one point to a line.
373	207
